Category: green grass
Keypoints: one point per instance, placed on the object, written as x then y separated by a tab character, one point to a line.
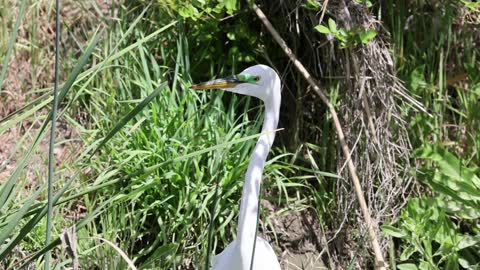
154	168
163	204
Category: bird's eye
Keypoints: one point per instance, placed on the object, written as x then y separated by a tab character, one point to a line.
256	78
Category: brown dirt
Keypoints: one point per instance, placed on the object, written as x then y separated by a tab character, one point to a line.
299	237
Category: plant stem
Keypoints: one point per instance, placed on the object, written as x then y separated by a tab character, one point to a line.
51	157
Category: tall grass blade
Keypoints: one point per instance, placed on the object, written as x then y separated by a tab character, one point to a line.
51	157
210	228
161	252
79	66
141	41
120	251
11	43
5	249
23	108
6	192
23	116
130	116
14	221
213	211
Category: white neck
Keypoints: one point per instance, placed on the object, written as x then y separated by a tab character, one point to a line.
247	224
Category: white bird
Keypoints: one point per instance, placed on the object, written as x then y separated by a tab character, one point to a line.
262	82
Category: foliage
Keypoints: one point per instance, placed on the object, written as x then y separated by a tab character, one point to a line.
471	5
458	184
439	231
347	38
367	3
431	239
191	10
218	30
312	5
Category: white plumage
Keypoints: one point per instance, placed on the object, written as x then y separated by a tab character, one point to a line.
262	82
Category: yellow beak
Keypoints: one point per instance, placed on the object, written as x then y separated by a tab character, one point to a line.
227	82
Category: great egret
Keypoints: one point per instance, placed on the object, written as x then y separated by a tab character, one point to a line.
262	82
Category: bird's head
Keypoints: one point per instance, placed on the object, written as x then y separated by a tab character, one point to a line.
258	81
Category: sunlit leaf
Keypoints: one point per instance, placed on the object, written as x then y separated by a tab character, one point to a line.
367	36
332	25
322	29
407	266
392	231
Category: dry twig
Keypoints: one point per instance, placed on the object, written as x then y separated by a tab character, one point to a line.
345	149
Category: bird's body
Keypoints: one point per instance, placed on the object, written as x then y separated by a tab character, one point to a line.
264	257
262	82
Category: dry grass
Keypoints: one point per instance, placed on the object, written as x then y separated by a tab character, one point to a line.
377	130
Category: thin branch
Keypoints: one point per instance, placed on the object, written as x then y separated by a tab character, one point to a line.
346	151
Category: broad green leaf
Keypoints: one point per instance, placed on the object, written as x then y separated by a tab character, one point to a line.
312	5
343	34
457	208
368	3
441	187
469	241
188	11
322	29
463	262
231	6
453	179
367	36
407	266
407	252
392	231
448	163
471	5
332	25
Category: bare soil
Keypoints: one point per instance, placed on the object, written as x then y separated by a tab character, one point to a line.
299	236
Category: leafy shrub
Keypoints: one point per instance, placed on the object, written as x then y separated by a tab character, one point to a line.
432	229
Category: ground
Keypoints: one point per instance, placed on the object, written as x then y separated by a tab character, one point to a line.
299	238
